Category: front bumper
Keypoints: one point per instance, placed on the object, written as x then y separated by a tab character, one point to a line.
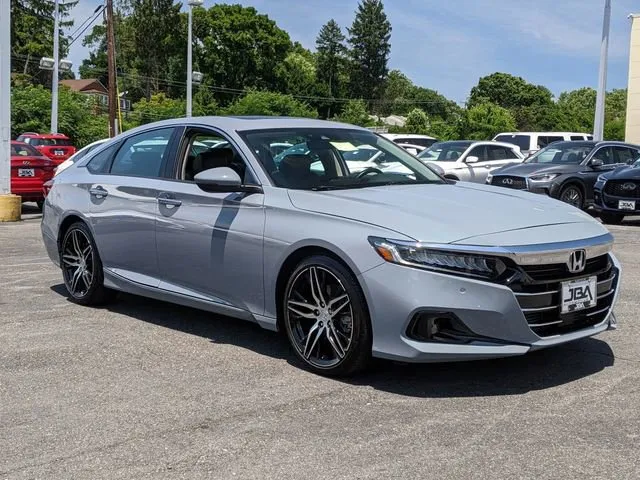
609	203
492	312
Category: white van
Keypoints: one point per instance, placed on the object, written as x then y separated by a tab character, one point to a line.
531	142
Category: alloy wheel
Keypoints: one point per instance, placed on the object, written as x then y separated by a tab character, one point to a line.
319	316
78	263
572	196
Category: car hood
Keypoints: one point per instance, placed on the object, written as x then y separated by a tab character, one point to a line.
624	173
453	213
528	169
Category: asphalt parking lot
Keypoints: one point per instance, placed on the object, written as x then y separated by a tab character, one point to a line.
143	389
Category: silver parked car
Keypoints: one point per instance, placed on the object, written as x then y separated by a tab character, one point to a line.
469	160
392	264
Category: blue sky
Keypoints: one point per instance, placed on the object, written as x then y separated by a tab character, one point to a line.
447	45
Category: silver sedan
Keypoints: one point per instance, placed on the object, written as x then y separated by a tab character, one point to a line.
390	262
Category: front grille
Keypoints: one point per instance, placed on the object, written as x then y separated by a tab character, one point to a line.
622	188
518	183
538	290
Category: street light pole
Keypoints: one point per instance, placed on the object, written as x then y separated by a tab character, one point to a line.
189	62
56	59
191	3
598	124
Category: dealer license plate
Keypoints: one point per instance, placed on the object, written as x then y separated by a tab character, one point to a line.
579	294
58	152
26	172
626	204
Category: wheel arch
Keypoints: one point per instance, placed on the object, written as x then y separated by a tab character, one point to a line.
299	252
67	221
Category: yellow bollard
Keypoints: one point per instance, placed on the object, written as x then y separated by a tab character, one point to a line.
10	208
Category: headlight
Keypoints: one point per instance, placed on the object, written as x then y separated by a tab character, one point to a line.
601	178
489	178
545	177
419	256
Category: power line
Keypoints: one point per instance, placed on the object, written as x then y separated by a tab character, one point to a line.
75	35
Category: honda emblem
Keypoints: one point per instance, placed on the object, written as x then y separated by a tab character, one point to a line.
577	261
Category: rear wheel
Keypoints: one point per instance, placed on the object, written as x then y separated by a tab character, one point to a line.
82	268
572	195
326	317
611	218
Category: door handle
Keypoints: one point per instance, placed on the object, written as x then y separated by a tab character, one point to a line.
169	202
98	192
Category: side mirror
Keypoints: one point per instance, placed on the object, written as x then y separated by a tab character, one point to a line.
472	159
223	179
596	163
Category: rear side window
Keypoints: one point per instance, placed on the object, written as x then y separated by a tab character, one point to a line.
522	141
577	138
625	155
100	162
544	140
142	155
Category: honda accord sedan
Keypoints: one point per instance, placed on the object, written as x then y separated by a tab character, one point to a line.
566	170
396	264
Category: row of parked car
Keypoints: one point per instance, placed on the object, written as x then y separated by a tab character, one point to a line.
567	166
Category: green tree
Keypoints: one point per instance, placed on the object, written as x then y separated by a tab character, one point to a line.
397	93
531	105
417	122
156	26
331	58
485	120
238	48
32	33
161	107
355	113
272	104
297	73
369	37
78	115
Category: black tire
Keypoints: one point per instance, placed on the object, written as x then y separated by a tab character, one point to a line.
40	204
572	194
83	289
611	218
348	324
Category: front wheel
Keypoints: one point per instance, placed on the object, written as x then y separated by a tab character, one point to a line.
611	218
326	317
82	268
572	195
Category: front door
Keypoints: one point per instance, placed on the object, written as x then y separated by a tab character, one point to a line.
210	245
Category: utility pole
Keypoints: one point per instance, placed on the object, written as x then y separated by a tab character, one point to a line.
111	66
191	3
56	61
598	124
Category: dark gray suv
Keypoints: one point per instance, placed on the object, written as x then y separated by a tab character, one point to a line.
566	170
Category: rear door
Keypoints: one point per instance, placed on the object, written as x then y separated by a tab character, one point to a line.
123	209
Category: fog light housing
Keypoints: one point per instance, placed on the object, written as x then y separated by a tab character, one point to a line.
444	327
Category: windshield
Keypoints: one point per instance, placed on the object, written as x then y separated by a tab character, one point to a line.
561	152
444	151
334	159
24	151
523	141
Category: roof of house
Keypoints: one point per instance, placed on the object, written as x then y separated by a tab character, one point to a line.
85	85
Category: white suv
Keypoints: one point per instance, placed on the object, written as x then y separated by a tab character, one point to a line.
468	160
531	142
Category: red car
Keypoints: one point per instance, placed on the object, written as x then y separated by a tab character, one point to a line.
56	146
30	169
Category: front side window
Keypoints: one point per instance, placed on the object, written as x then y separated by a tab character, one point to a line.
142	155
563	152
320	159
480	152
444	151
606	155
207	150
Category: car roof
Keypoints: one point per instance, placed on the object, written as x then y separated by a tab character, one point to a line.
543	133
44	135
406	135
248	123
